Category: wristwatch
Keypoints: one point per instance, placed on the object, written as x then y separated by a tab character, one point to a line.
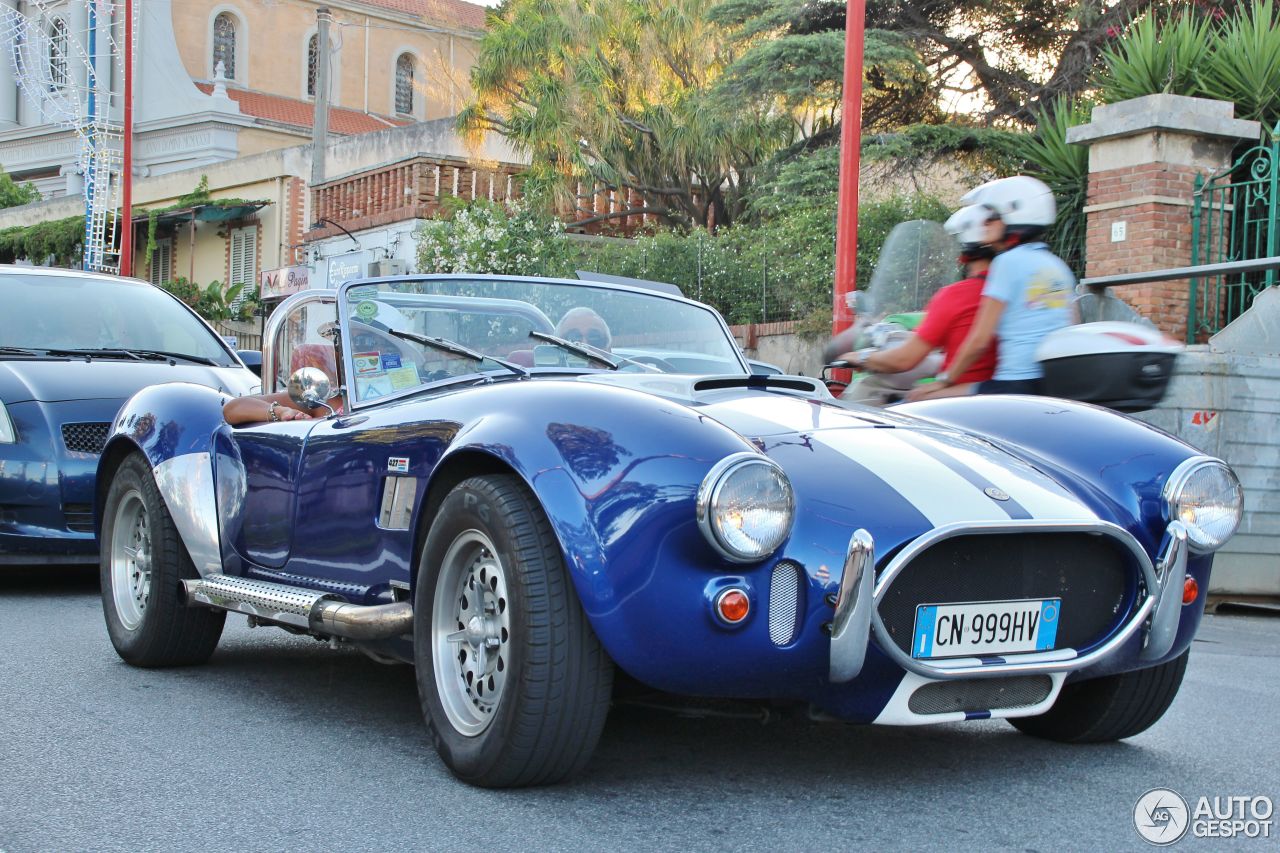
272	414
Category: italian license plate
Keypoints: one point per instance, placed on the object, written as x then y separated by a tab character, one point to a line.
985	628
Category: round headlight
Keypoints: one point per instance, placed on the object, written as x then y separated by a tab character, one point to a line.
745	507
1204	494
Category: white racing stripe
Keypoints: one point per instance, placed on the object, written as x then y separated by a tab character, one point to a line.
1037	494
938	493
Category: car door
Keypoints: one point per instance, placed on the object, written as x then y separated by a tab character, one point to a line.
259	465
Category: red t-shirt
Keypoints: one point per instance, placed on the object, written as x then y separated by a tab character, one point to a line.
947	319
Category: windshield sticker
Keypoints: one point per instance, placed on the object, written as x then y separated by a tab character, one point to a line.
368	363
357	293
390	360
398	464
372	387
367	310
403	377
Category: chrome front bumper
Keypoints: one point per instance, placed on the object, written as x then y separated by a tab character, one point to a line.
856	617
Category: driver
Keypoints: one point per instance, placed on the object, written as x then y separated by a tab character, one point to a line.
582	325
948	315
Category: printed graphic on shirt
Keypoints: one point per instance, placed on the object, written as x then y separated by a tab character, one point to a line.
1045	291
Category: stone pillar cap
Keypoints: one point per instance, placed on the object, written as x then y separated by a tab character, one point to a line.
1177	113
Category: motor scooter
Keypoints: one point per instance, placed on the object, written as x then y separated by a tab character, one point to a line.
1111	356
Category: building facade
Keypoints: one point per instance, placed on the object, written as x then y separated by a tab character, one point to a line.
231	79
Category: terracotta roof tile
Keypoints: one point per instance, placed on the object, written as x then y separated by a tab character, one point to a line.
301	113
457	12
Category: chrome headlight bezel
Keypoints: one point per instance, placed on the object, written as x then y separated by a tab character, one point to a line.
1174	491
709	520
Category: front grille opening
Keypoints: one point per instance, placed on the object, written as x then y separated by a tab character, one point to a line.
85	437
980	694
784	602
79	517
1094	575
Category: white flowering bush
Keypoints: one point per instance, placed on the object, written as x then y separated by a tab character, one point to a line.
490	237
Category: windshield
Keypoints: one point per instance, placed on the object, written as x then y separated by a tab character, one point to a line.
74	312
511	327
918	259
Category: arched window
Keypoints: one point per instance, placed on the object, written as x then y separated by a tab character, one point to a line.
224	44
313	62
59	48
404	84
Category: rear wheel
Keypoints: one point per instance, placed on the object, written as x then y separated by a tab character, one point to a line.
142	565
514	685
1109	708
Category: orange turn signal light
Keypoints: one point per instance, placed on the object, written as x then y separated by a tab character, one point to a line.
1190	590
732	606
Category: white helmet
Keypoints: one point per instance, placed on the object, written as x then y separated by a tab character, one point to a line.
1020	201
968	225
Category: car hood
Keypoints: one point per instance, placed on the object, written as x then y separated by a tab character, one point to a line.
946	474
54	381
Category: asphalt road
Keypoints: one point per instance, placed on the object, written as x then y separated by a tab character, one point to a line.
281	744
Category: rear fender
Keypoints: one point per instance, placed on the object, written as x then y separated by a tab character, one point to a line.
173	425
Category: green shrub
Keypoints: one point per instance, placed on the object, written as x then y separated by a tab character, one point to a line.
214	302
499	239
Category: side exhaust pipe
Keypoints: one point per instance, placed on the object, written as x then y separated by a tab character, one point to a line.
317	612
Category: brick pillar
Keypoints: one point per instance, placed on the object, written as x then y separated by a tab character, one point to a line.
1144	155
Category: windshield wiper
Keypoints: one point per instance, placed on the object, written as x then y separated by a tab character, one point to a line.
160	353
135	354
455	348
96	352
18	351
583	350
613	360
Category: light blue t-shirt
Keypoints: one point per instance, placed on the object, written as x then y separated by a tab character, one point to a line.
1036	288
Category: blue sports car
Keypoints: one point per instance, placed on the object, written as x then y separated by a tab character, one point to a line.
521	491
73	347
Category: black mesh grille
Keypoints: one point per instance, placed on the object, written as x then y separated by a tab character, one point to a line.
981	694
784	602
79	517
85	438
1090	573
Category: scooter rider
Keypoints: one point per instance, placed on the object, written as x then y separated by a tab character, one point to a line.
1028	290
948	315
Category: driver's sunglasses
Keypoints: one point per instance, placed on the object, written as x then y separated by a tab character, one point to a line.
593	337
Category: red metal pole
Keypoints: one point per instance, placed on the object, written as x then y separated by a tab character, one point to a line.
850	150
126	163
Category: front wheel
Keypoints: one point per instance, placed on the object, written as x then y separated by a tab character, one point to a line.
142	565
514	685
1110	708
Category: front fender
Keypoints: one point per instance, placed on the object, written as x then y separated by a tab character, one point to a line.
618	481
173	425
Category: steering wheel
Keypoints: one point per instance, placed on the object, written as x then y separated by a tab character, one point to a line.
660	363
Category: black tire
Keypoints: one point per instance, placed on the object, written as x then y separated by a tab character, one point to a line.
168	633
549	713
1110	708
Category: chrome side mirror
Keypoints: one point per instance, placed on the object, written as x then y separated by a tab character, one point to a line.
310	387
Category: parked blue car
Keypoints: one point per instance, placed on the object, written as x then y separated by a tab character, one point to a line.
521	496
73	347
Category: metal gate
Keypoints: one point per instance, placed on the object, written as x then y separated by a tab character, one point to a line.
1233	218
